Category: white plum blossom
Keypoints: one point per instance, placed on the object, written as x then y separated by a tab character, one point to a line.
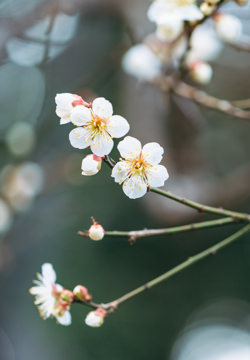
47	296
95	318
204	44
140	62
228	27
174	10
96	232
96	127
169	29
65	103
140	167
91	165
201	72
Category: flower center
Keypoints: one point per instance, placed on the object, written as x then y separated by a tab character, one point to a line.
139	165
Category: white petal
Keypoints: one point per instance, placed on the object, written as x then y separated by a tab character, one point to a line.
65	120
80	115
152	152
120	171
65	319
189	12
157	175
102	145
102	108
129	148
117	126
134	187
80	138
64	100
48	273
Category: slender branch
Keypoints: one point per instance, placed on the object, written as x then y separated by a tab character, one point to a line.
244	103
201	207
192	260
137	234
201	97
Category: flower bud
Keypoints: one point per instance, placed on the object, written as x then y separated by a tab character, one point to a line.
96	232
96	318
228	27
81	293
67	296
241	2
91	165
207	8
201	72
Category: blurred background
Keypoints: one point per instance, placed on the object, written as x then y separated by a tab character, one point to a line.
49	47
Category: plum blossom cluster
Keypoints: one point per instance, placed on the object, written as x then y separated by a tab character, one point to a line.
162	50
53	300
95	128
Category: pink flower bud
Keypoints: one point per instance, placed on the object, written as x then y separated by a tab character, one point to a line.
67	297
96	232
81	293
201	72
79	101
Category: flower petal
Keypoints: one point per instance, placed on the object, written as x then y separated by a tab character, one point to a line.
129	148
102	144
117	126
120	171
48	273
152	152
157	175
64	100
134	187
188	12
80	138
102	108
80	115
65	319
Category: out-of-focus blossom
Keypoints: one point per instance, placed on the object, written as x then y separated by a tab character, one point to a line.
201	72
95	318
228	27
65	104
5	217
96	127
140	168
81	293
205	45
91	164
174	10
169	30
21	184
20	138
49	296
140	62
96	232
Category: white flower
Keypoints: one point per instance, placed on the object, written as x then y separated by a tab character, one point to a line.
204	45
96	232
168	30
201	72
65	103
91	164
175	10
96	127
140	168
95	318
47	296
228	27
140	62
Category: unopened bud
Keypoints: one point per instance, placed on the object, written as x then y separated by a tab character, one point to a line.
67	296
228	27
201	72
207	8
81	293
91	164
96	318
96	232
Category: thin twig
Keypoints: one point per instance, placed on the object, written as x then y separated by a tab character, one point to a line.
201	207
137	234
